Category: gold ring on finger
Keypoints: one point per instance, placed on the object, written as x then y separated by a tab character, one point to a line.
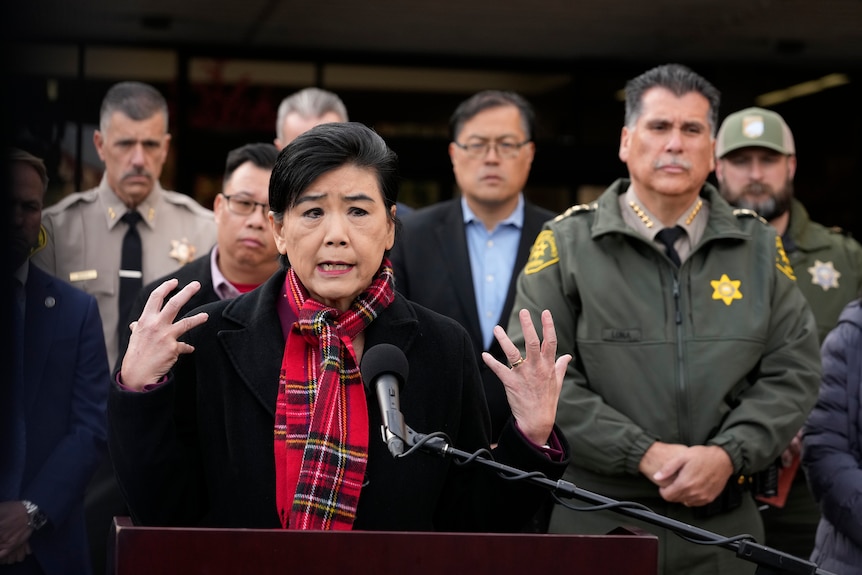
517	362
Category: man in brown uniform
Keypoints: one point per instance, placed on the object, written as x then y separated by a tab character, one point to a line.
111	240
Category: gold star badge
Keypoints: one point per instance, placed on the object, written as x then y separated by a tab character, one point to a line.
543	253
182	251
726	289
824	274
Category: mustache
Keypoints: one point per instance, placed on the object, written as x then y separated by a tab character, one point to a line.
758	189
137	172
672	161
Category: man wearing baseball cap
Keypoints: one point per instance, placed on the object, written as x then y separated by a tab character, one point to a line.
756	162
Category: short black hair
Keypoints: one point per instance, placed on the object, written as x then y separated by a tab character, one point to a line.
136	100
260	154
323	149
678	79
487	99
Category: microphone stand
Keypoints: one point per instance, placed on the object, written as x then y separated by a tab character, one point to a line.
769	561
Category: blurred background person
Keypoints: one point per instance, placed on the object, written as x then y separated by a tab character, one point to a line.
756	164
461	257
245	254
307	108
111	240
128	216
54	416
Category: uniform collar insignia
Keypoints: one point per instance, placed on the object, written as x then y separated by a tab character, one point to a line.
824	274
641	213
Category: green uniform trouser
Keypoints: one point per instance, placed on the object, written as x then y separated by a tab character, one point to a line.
675	555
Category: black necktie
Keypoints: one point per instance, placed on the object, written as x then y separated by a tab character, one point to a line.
131	266
668	237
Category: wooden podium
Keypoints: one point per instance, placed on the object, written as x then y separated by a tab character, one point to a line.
188	551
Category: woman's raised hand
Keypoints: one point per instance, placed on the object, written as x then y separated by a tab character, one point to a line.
154	346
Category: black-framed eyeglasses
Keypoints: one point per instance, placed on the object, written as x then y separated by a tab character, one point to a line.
503	148
242	206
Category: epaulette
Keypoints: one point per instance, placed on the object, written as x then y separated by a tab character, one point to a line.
840	230
88	197
185	201
577	209
746	213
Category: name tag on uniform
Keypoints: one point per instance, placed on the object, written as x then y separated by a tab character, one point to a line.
134	274
83	276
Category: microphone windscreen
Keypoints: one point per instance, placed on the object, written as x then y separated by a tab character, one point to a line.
382	359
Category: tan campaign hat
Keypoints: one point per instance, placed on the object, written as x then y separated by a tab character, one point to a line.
754	127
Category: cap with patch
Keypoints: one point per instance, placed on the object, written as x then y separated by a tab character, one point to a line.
755	127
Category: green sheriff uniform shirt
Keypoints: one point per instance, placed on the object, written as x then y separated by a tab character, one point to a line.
82	240
828	266
722	351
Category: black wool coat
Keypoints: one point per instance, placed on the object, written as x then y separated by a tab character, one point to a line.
198	450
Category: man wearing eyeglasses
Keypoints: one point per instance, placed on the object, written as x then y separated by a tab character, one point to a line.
245	254
460	257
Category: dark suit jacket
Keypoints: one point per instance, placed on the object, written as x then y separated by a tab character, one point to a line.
66	386
432	268
199	269
198	450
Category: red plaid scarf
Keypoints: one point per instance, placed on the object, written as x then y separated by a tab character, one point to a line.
321	418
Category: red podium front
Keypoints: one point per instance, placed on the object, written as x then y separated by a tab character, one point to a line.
187	551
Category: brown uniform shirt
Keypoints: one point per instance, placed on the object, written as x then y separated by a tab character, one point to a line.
83	238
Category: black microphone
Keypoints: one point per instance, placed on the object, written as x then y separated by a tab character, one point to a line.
384	368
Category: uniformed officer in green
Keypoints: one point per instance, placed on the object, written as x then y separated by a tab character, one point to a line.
83	237
696	357
756	162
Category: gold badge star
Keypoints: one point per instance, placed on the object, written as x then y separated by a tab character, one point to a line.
824	274
726	289
182	251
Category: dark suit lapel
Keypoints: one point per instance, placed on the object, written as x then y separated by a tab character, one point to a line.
451	239
257	358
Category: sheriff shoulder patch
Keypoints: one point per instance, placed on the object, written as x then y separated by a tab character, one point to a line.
41	242
781	261
543	253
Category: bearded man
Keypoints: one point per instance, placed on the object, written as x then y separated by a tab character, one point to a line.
756	162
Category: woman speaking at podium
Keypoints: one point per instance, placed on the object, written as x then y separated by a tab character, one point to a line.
252	412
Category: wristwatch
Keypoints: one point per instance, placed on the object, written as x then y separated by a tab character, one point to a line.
37	519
